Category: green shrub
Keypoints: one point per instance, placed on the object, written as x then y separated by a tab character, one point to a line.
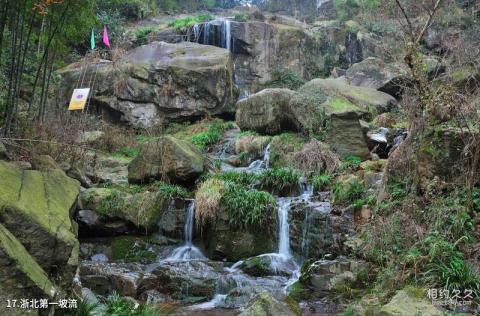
184	24
245	179
347	192
285	78
126	152
248	207
209	137
141	34
321	182
113	204
118	306
241	17
350	163
346	9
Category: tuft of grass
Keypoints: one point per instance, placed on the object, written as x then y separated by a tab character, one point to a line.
245	179
279	179
205	139
347	192
241	17
141	34
184	24
285	78
350	163
128	152
208	198
119	306
321	182
113	204
170	191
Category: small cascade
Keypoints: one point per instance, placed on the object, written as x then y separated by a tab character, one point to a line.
283	228
188	251
227	34
196	32
217	32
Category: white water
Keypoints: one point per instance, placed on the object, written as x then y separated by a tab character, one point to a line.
227	33
283	228
188	251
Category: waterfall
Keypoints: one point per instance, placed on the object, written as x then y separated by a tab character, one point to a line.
227	33
196	32
188	251
283	228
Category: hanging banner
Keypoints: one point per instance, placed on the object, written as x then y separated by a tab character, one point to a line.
106	40
79	99
92	41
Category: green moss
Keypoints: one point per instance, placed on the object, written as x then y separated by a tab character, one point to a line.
340	105
285	78
44	198
132	249
25	262
297	291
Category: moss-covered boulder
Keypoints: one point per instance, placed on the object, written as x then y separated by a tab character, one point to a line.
167	158
333	108
37	235
410	302
143	209
159	82
265	304
268	265
374	73
265	112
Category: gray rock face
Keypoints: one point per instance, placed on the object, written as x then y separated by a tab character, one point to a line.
266	304
374	73
266	111
315	231
159	82
169	158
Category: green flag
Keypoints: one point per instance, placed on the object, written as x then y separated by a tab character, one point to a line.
92	41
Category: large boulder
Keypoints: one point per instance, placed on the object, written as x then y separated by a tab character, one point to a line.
265	112
167	158
143	210
408	302
374	73
158	82
333	107
38	244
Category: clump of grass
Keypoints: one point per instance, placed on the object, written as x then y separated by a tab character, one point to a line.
119	306
186	23
248	207
113	204
279	179
208	198
285	78
241	178
242	17
141	34
348	191
321	182
245	207
351	163
171	191
209	137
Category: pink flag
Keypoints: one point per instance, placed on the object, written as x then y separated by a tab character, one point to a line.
106	41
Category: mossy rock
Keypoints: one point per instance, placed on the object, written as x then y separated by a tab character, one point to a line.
408	303
265	112
298	291
264	304
167	158
131	249
35	214
143	209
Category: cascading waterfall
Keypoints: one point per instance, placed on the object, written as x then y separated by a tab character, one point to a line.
227	33
283	228
188	251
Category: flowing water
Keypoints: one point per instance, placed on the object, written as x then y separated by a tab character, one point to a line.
188	251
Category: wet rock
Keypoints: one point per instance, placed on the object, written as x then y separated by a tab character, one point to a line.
78	174
182	279
268	265
325	276
265	112
105	278
159	82
374	73
315	231
167	157
266	304
377	140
